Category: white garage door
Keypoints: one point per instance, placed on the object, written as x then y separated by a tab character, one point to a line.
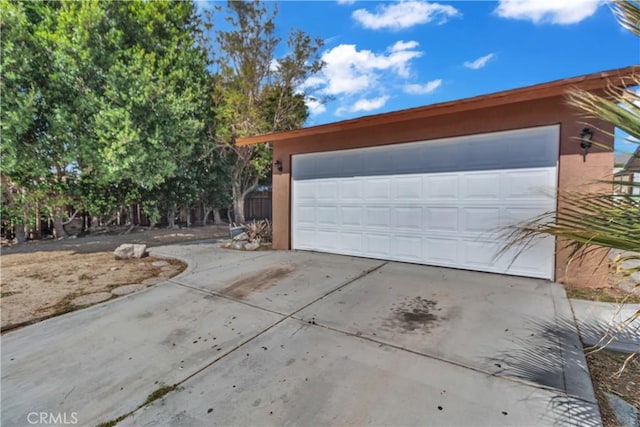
442	202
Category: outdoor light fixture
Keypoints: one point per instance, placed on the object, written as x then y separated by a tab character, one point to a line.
278	165
585	142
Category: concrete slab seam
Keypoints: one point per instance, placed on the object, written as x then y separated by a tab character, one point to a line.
226	297
458	364
225	354
214	293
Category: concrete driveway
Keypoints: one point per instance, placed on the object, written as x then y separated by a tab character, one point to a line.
273	338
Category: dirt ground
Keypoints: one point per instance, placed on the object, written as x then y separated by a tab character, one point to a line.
41	279
603	367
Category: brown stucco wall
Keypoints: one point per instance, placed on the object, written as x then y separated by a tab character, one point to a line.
574	174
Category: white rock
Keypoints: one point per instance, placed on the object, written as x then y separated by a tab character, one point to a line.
124	251
129	250
139	251
241	236
238	245
251	246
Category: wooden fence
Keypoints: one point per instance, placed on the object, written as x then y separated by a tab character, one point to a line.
257	205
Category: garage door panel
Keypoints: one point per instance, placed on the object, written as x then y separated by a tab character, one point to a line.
305	190
350	190
305	238
306	215
441	187
480	220
407	218
352	243
529	262
455	219
511	216
408	189
440	251
351	215
483	186
327	190
327	215
327	239
378	216
479	254
441	219
408	247
528	185
378	245
378	189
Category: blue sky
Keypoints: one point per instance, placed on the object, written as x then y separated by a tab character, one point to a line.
386	56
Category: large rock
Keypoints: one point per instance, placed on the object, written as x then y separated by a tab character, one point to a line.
251	246
241	236
130	250
139	251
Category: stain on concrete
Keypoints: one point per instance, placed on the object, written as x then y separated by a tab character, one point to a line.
244	286
413	314
175	336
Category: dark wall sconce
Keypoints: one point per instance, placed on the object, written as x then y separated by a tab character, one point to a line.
278	165
585	142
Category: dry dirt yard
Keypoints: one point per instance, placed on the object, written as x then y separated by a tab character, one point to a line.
42	279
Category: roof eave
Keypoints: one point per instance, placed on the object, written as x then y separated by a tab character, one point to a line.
593	81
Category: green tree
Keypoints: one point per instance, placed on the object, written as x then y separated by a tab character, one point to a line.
256	91
103	102
48	72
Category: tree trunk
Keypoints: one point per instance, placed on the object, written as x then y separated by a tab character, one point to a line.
171	216
238	210
206	211
58	223
238	203
38	224
187	209
19	233
217	216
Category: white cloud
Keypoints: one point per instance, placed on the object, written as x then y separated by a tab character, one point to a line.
347	2
404	14
418	89
348	70
315	107
551	11
363	80
402	45
364	105
480	62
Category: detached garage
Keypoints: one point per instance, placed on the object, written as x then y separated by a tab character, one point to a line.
437	185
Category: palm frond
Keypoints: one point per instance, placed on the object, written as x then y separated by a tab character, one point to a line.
628	14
